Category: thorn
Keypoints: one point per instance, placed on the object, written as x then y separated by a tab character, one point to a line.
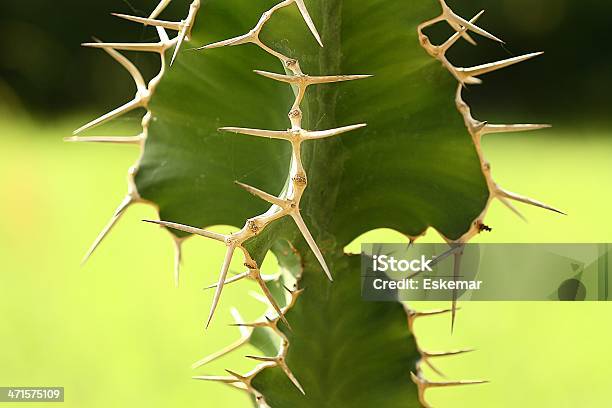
512	207
242	39
271	300
283	365
129	140
244	332
456	271
160	7
454	18
488	129
259	297
332	132
127	201
434	368
230	280
163	37
240	377
226	264
190	230
313	29
128	65
494	66
434	354
310	80
218	354
142	47
526	200
179	43
263	195
128	107
170	25
297	217
178	256
443	384
272	134
217	378
460	32
280	362
263	359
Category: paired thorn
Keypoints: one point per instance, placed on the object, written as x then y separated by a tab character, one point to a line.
125	140
224	269
308	80
178	259
469	74
293	135
306	16
489	129
170	25
138	102
263	195
434	354
127	201
457	22
299	221
190	230
230	280
245	335
500	192
127	64
461	32
142	47
512	208
282	364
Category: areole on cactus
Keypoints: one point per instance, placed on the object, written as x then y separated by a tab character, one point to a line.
412	168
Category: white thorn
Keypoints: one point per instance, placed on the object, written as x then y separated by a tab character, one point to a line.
454	18
127	201
179	42
494	66
244	331
178	257
297	217
242	39
310	80
128	107
321	134
263	195
160	7
142	47
230	280
128	65
511	207
272	134
189	230
526	200
171	25
224	269
308	20
488	129
461	32
132	140
217	378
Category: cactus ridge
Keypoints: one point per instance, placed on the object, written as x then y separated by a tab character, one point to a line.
287	204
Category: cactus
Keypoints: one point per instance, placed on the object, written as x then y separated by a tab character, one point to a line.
418	164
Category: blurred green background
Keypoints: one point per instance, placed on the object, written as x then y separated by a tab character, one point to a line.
117	332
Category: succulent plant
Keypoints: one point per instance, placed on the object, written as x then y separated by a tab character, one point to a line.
212	123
